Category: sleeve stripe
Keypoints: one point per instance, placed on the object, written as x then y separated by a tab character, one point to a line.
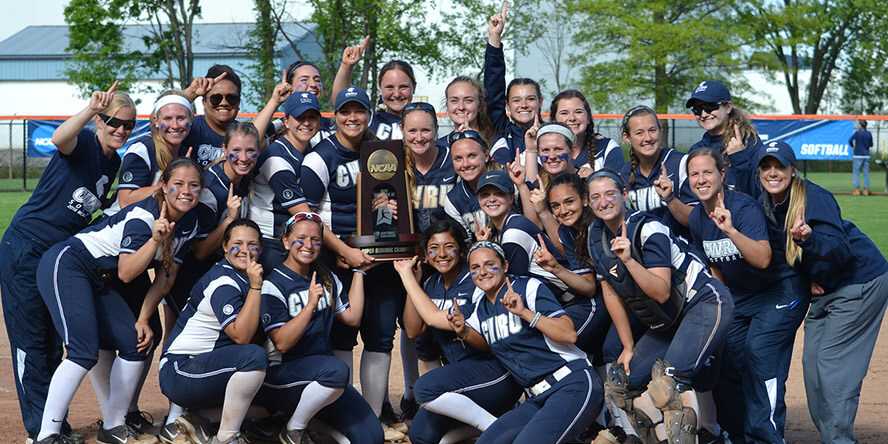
314	162
228	321
274	326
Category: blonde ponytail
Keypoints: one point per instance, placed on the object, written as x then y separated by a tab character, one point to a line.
797	202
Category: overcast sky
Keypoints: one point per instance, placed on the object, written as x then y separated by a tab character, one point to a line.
17	15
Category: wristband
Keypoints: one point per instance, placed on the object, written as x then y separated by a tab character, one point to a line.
355	270
670	199
535	320
257	289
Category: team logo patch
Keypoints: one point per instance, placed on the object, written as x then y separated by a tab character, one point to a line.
126	242
266	319
287	194
228	309
127	176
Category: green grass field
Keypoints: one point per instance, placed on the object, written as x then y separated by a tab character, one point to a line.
869	213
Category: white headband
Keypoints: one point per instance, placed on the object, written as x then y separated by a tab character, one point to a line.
172	98
557	129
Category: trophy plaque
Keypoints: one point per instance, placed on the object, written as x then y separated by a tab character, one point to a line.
380	233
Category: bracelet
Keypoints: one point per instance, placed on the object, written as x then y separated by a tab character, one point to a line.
670	199
536	319
257	289
356	270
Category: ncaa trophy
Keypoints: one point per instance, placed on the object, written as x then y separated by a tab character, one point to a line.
380	233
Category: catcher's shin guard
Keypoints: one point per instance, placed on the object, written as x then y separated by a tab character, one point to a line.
680	421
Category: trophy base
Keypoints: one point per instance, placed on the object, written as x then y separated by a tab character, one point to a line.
402	248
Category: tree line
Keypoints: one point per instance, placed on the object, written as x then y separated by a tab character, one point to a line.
827	53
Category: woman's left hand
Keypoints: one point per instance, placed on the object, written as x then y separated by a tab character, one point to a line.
144	336
512	300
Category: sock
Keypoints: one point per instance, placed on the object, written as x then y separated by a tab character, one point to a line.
458	435
409	361
239	393
348	358
461	408
62	387
124	378
134	403
100	379
314	397
427	366
175	411
374	378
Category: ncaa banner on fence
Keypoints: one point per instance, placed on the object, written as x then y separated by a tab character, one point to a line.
40	136
811	139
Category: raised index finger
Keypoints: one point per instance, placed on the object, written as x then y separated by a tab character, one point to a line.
314	278
623	230
220	76
454	307
505	9
163	210
230	190
542	241
113	87
663	171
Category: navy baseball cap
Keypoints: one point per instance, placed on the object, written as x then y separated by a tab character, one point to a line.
352	94
709	91
498	179
298	103
779	150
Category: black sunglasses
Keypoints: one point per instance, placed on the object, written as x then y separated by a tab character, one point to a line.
114	122
422	106
467	134
231	99
698	107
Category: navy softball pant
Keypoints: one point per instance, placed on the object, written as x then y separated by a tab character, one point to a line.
560	413
384	299
349	414
689	347
755	366
483	380
199	381
591	322
82	308
34	344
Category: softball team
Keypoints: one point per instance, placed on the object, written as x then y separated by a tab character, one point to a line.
664	289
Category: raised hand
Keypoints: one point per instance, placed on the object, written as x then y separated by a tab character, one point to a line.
281	92
200	86
530	136
721	216
516	170
456	319
800	230
101	99
543	257
315	290
162	229
351	55
663	185
621	246
406	266
735	143
482	232
538	198
496	25
233	203
512	300
585	171
254	271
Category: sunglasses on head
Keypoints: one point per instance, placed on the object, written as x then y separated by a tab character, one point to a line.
114	122
301	216
698	107
467	134
231	99
422	106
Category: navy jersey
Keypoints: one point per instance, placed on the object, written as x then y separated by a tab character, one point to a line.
656	247
386	126
461	205
512	135
327	129
206	145
71	189
568	237
276	187
608	154
213	204
742	173
215	302
643	195
328	180
837	253
452	348
748	218
861	141
284	295
524	351
130	229
519	241
430	191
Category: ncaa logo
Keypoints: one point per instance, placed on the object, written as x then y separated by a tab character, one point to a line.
127	241
228	309
127	176
287	194
266	318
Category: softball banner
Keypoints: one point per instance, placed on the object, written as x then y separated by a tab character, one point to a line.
40	136
811	139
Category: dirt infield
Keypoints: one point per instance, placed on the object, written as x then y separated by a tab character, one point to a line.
871	426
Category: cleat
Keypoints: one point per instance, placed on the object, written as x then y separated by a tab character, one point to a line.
141	422
196	428
409	408
291	436
173	433
123	434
